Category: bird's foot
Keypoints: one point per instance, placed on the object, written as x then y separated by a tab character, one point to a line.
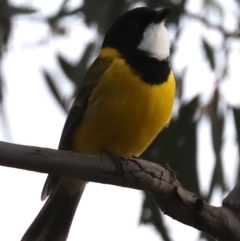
117	160
173	172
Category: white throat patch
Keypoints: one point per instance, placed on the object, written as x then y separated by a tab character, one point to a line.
156	41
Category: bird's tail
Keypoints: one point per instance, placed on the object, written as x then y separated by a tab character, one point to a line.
54	220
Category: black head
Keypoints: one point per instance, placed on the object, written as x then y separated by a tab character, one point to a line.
127	32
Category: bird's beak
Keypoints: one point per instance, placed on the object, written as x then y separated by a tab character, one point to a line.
162	14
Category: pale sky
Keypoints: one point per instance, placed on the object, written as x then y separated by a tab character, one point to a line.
105	212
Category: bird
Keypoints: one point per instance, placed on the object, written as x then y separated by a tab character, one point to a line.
124	101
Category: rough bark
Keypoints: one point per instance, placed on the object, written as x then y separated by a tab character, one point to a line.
221	222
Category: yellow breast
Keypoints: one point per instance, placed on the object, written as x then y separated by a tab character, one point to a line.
125	114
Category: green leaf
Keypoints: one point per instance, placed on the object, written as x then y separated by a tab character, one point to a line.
217	122
7	11
76	72
216	117
151	214
66	67
209	53
236	115
55	91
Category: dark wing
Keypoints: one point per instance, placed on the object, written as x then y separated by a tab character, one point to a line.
91	79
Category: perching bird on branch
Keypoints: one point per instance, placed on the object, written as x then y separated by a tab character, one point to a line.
124	101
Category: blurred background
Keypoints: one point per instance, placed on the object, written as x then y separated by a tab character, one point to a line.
45	49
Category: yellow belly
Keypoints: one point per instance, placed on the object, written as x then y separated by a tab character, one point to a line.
124	114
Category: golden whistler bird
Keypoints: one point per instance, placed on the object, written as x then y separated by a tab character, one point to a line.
124	101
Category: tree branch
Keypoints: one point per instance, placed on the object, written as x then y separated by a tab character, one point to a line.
175	201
